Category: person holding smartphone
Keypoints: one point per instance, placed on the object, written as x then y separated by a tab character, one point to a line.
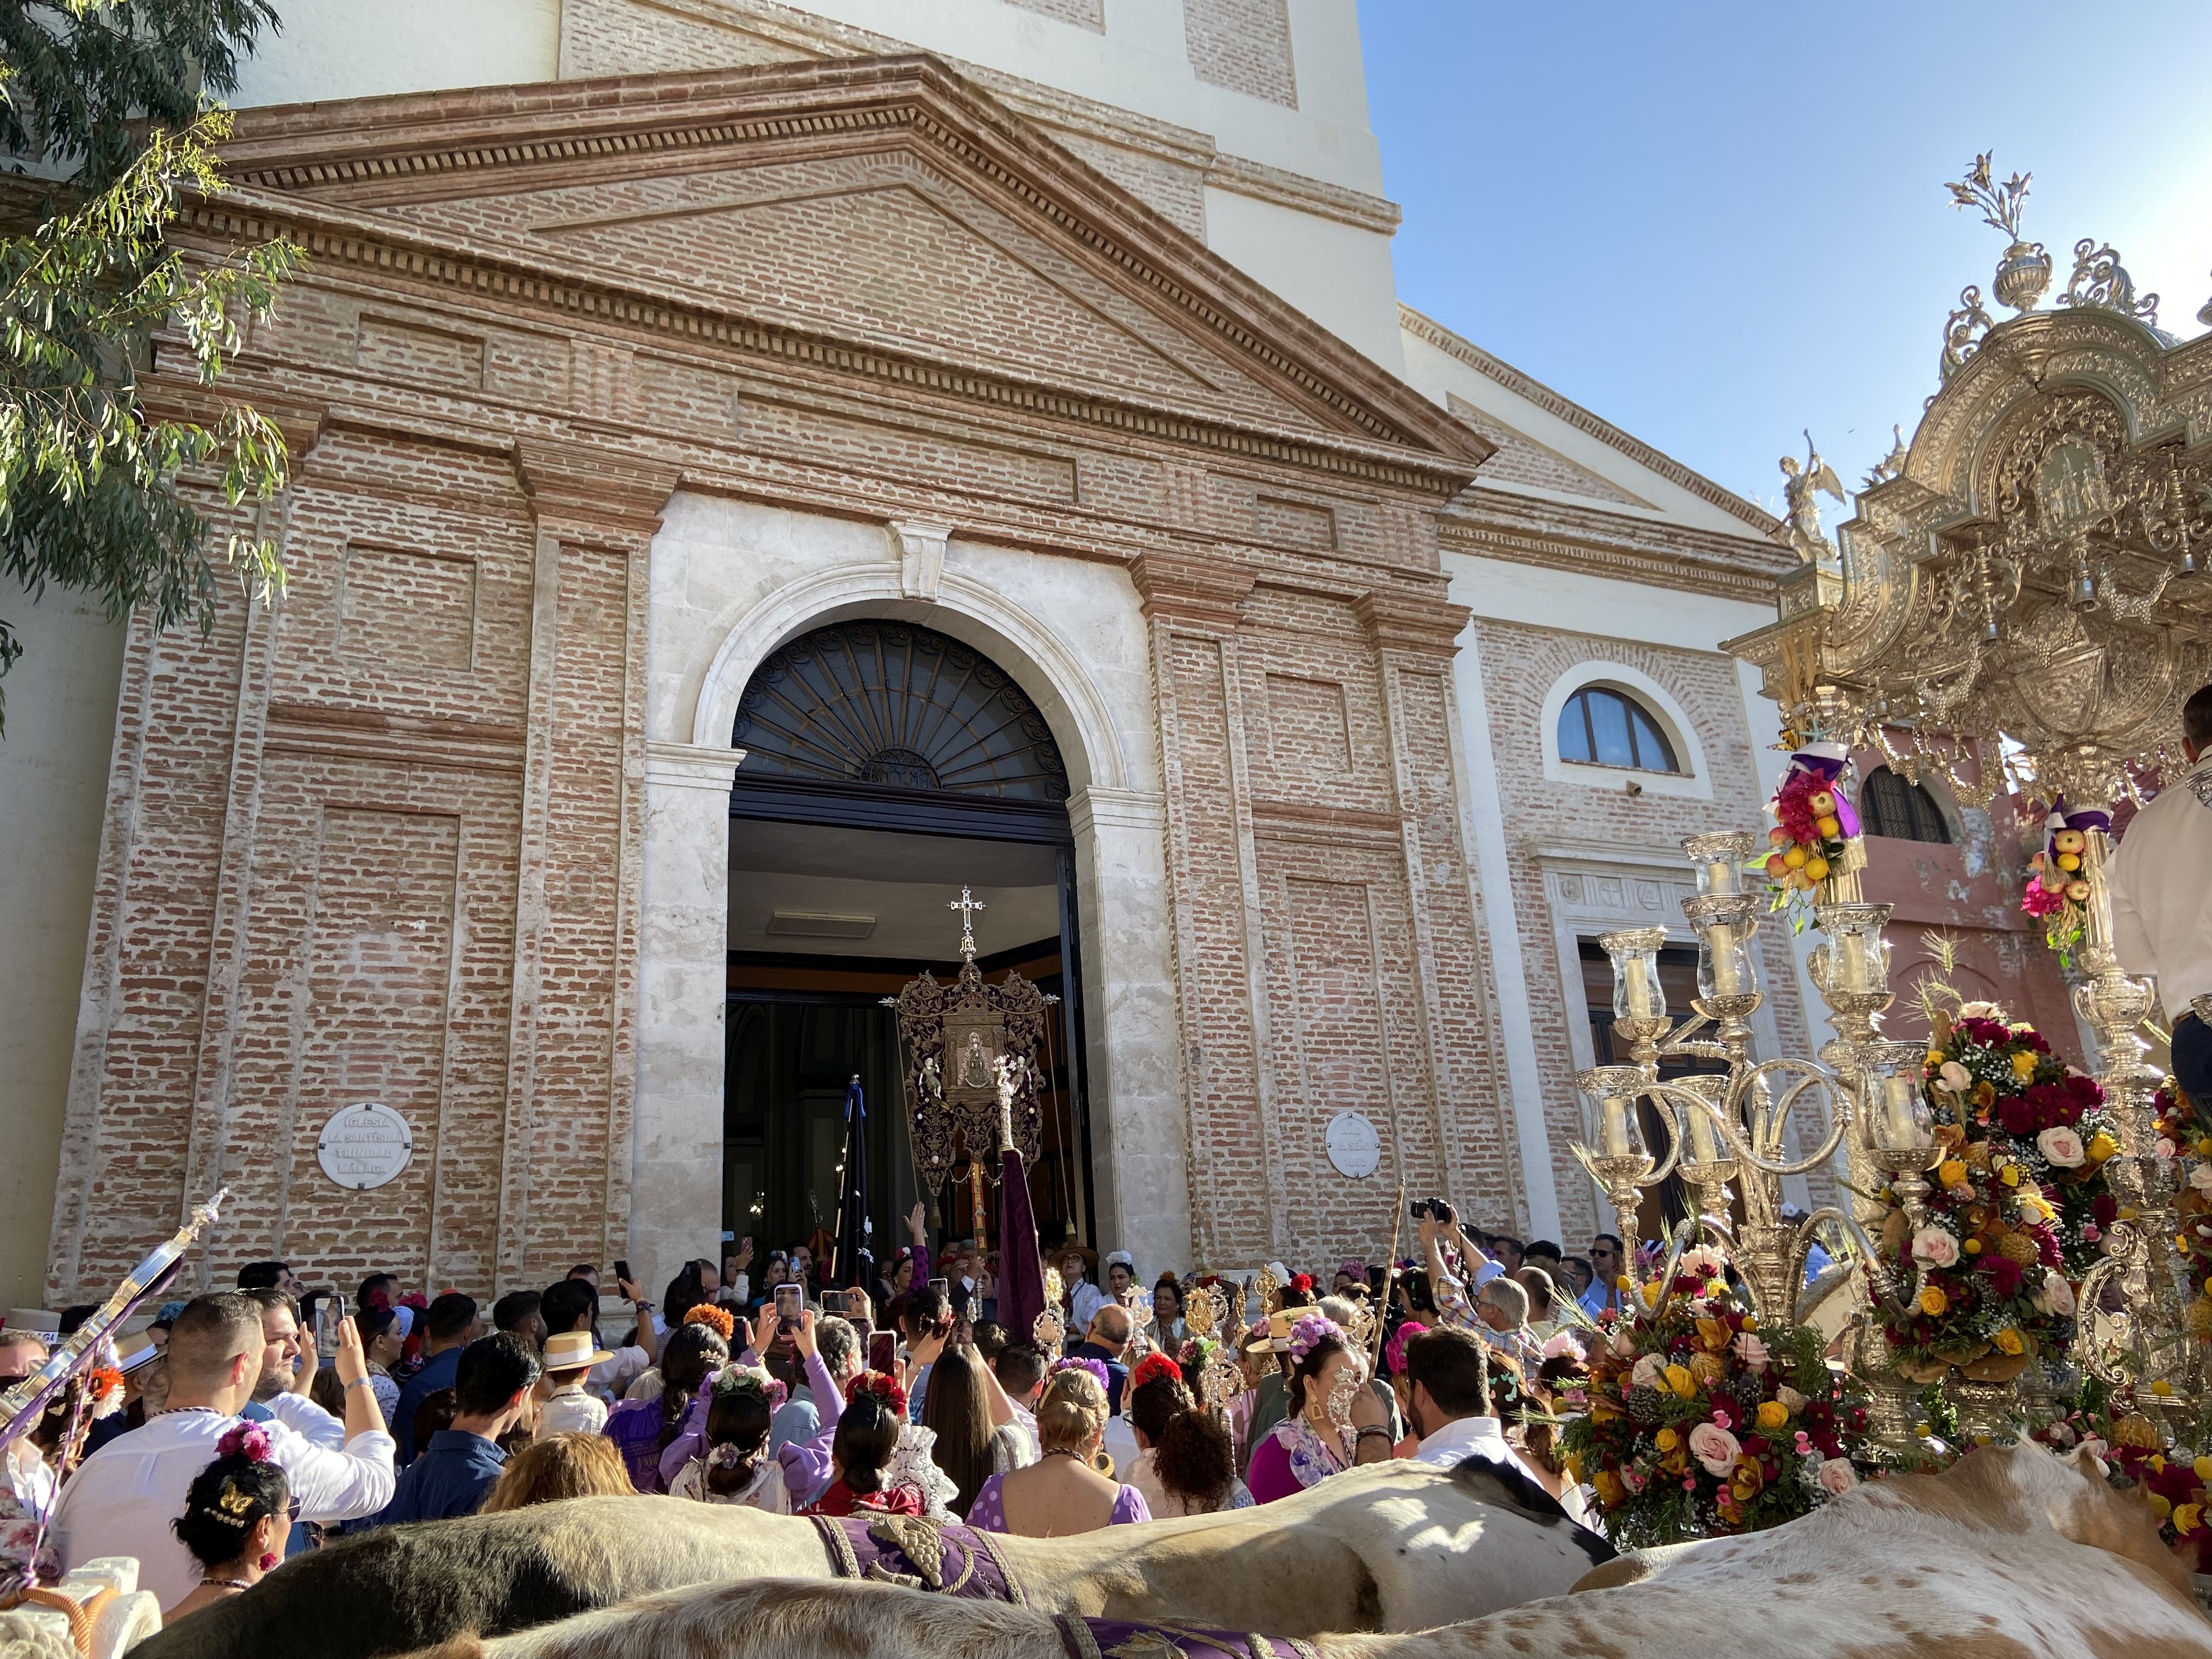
926	1321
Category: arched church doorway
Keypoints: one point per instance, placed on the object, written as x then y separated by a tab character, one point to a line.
887	768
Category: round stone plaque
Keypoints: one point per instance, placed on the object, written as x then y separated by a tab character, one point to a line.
1353	1146
364	1146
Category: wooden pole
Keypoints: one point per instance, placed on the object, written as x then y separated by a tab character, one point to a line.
1390	1281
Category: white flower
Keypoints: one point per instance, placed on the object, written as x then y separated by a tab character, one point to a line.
1648	1371
1837	1476
1701	1262
1936	1247
2054	1295
1714	1447
1790	1397
1979	1011
1623	1343
1956	1078
2062	1433
2201	1178
2062	1147
1752	1350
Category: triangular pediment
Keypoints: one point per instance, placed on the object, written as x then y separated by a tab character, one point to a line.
885	204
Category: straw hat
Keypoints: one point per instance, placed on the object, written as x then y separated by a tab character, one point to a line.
570	1351
133	1350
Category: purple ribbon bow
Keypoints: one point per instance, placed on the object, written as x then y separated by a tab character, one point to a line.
1826	762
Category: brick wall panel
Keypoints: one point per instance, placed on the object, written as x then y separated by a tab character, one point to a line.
1242	45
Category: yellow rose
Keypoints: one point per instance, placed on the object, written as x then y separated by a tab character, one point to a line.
2205	1146
1933	1301
1668	1440
1935	1057
2023	1064
2204	1468
1608	1484
1773	1414
2101	1146
2187	1518
2009	1341
1679	1380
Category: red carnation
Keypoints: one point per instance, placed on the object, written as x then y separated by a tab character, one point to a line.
2003	1271
2106	1208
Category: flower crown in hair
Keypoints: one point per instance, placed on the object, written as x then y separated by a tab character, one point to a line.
1153	1367
1097	1368
881	1384
752	1379
714	1319
1395	1349
248	1440
1309	1332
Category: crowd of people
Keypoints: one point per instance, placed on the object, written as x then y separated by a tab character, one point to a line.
254	1423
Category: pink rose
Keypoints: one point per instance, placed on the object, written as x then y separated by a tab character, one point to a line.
2201	1178
2054	1295
1714	1447
1837	1476
2062	1147
1936	1247
1753	1352
1956	1078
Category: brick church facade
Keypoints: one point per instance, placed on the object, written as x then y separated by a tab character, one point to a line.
599	391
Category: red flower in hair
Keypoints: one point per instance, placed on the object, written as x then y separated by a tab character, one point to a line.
881	1384
1153	1366
1302	1283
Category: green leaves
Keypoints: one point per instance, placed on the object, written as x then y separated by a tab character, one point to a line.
89	476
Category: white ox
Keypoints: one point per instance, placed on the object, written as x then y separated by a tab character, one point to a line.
1393	1546
2011	1554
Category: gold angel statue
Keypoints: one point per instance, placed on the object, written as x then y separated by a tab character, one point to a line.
1802	482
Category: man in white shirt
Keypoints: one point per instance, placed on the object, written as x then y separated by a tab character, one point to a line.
124	1497
1447	1379
2162	900
574	1305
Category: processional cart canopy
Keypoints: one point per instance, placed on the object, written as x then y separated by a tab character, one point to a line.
958	1038
2020	598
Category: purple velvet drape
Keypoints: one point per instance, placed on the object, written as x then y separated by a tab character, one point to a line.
1021	1268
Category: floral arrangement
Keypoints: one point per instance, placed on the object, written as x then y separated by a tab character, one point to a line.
2177	1484
1095	1368
1989	1286
1814	825
2057	893
2193	1204
1309	1332
719	1320
752	1379
248	1440
104	1389
881	1384
1394	1351
1699	1423
2046	1120
1303	1284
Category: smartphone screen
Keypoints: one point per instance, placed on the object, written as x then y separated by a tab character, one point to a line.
943	1287
788	1306
883	1351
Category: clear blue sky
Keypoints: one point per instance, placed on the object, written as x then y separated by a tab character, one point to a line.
1714	224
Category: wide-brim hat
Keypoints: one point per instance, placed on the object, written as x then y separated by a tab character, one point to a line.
1055	1253
1259	1340
570	1351
133	1350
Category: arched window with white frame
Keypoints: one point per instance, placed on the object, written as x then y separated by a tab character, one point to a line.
1603	725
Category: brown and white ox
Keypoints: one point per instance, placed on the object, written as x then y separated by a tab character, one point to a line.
2011	1554
1391	1547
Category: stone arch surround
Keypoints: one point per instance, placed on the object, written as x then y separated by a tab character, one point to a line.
733	581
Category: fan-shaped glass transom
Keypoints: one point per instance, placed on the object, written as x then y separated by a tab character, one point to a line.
902	707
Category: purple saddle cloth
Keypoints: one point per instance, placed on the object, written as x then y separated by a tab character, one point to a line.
908	1550
1121	1638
